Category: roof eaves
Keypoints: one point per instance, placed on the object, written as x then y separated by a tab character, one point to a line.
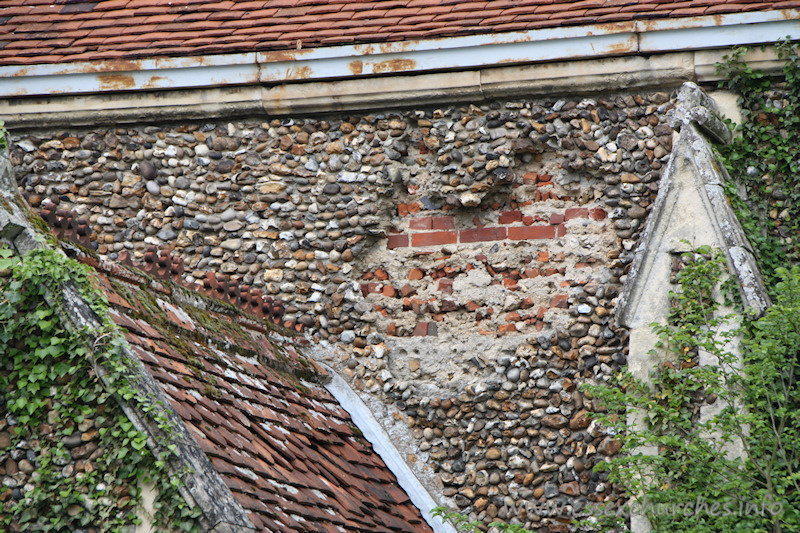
447	53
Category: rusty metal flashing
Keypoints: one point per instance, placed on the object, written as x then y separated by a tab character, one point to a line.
573	77
585	59
343	62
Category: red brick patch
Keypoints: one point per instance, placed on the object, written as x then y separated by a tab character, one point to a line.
446	286
576	212
407	290
367	288
507	328
597	213
423	329
415	274
509	217
434	238
443	223
388	291
531	273
482	234
420	223
520	233
448	305
397	241
429	223
560	301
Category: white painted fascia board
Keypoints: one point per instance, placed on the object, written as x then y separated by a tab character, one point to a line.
447	57
409	57
551	44
699	38
129	75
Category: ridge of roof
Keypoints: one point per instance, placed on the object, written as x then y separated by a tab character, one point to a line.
60	31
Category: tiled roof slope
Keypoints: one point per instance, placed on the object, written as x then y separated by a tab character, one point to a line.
56	31
282	444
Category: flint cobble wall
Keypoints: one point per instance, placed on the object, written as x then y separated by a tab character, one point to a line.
465	260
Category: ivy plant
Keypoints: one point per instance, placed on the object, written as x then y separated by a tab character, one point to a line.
764	158
90	462
738	469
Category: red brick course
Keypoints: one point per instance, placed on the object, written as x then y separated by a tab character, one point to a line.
397	241
441	230
434	238
520	233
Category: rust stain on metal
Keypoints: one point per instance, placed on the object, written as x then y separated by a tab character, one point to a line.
499	39
680	23
299	73
395	47
615	27
622	48
393	65
647	25
356	67
153	82
116	82
18	92
273	56
100	67
114	66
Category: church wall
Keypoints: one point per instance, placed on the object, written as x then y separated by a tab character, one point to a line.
460	265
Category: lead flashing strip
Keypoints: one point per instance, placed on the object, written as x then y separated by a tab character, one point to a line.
348	62
580	77
372	430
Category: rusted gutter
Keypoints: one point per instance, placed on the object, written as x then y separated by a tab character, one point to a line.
412	57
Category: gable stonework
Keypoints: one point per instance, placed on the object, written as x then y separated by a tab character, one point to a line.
690	211
465	261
